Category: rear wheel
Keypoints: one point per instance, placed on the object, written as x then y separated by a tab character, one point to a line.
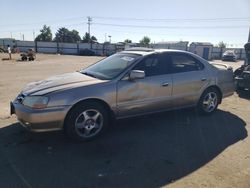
209	101
86	121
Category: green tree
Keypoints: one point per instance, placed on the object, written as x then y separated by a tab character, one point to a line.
65	35
86	38
145	41
75	36
45	34
128	41
93	39
222	44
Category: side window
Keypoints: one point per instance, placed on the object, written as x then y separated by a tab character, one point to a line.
185	63
152	66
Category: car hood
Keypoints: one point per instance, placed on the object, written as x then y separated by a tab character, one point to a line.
59	82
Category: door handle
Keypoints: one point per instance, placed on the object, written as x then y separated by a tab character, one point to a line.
203	79
164	84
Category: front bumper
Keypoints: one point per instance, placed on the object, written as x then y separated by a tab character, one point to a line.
39	120
229	58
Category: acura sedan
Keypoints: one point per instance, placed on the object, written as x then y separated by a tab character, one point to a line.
130	83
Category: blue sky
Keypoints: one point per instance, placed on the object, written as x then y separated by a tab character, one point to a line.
161	20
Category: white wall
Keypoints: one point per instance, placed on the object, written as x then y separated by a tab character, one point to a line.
63	48
67	48
175	46
47	47
25	45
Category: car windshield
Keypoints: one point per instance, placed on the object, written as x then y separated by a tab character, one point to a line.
110	67
229	53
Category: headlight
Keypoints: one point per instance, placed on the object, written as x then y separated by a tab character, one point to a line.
37	102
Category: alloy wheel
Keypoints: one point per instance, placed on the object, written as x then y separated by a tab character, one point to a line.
89	123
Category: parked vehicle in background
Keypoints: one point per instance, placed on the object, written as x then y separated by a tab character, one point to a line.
2	50
30	55
242	74
229	55
130	83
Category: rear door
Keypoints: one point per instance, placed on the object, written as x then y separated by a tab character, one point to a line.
189	79
153	93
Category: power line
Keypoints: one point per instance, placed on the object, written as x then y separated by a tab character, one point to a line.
134	19
43	22
37	29
136	26
176	19
170	34
171	27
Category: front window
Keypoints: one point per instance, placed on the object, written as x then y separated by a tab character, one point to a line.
229	53
111	67
152	66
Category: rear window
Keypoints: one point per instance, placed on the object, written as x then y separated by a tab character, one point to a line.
185	63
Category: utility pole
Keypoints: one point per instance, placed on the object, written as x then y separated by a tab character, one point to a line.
89	23
249	35
34	35
110	38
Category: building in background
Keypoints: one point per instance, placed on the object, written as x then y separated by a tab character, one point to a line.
131	45
203	49
177	45
4	42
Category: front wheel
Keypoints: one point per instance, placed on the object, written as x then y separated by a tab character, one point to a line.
86	121
209	101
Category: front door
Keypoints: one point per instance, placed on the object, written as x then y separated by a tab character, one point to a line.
153	93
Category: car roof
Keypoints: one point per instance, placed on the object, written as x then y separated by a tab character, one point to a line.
148	51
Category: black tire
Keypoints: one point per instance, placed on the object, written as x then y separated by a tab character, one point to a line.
89	127
24	58
204	107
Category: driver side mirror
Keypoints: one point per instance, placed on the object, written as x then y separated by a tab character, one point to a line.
136	74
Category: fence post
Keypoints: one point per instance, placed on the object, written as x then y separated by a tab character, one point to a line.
103	45
36	46
57	46
240	53
221	51
78	50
